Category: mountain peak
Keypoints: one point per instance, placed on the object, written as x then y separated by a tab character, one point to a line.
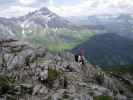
44	9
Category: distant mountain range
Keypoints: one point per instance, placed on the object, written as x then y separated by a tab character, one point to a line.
121	24
45	28
108	50
42	18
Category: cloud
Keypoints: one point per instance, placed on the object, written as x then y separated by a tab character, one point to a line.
51	2
64	8
16	11
16	8
27	2
95	7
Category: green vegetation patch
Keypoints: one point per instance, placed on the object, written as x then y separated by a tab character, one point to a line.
53	74
130	88
11	87
103	98
60	40
120	69
5	84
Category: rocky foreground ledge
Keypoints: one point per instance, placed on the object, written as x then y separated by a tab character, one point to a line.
29	73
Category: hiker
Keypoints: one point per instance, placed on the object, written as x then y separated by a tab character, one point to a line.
76	57
80	57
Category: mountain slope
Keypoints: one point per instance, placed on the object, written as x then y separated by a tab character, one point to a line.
8	28
108	49
43	27
43	18
33	73
33	22
121	24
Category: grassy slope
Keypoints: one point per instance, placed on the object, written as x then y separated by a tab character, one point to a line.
59	40
120	69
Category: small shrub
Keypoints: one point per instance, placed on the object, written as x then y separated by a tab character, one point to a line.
9	97
4	84
52	76
49	98
130	88
100	78
11	87
65	96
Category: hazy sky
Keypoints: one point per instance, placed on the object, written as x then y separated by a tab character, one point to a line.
14	8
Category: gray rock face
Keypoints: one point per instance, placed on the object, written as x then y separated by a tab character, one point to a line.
43	18
8	28
23	56
52	77
120	97
39	89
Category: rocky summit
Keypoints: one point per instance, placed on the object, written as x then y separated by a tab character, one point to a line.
33	73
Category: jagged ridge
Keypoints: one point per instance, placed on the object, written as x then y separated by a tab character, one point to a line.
42	75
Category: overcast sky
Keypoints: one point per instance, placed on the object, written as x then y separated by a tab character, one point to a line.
15	8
